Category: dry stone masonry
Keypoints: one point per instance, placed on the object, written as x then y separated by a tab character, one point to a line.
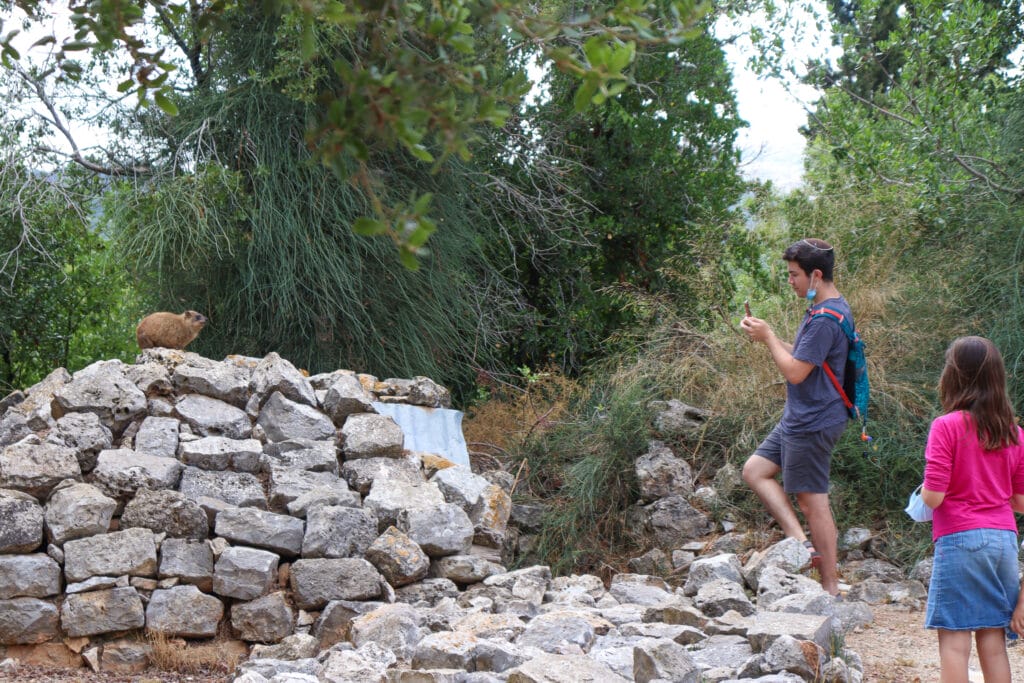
240	500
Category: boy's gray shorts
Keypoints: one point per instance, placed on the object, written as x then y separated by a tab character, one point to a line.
805	458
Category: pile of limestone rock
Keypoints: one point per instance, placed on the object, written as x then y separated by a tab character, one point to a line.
243	502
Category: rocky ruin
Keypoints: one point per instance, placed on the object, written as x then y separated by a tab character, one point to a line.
240	500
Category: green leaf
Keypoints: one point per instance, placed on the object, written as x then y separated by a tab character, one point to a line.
420	152
125	85
424	229
369	227
584	94
596	50
408	259
164	102
423	203
76	45
45	40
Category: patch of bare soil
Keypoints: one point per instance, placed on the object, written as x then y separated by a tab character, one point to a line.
896	648
42	674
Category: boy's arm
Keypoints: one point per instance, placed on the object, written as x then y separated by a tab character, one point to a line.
793	370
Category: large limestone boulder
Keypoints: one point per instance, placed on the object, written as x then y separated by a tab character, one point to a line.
303	454
268	619
27	621
226	382
36	468
166	512
158	436
28	576
245	573
281	534
234	488
366	435
131	552
21	522
187	561
35	406
315	582
185	612
282	418
102	388
102	611
334	531
398	558
212	417
275	374
222	453
83	433
121	472
660	473
345	397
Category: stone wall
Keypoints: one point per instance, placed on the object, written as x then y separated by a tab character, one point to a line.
188	498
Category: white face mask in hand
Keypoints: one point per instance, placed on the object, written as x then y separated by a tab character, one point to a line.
916	508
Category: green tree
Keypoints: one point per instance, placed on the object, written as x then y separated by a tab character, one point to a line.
657	170
412	76
65	301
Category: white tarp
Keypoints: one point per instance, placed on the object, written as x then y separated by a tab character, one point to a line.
430	430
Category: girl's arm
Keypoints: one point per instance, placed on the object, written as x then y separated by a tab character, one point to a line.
1017	502
933	499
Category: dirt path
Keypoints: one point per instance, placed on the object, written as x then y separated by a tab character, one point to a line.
896	648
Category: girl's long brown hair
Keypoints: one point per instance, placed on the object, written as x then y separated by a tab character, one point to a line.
974	380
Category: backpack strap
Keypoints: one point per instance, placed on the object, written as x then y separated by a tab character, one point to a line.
851	338
841	319
835	382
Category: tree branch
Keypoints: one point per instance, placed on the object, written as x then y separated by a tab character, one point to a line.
57	121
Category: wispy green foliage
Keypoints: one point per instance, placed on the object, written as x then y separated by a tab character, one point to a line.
65	299
254	233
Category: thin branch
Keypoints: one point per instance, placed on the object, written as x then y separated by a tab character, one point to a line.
57	121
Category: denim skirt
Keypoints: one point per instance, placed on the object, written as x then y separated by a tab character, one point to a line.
974	581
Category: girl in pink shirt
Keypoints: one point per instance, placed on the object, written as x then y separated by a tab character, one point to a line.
974	480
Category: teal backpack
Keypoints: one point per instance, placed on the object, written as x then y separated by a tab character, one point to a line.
855	389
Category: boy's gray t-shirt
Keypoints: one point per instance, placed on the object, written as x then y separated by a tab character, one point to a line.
815	404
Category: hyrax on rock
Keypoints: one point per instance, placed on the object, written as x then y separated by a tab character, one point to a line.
169	330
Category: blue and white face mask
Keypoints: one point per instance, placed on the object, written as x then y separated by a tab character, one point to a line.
812	291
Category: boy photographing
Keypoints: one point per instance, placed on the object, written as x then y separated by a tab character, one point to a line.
800	446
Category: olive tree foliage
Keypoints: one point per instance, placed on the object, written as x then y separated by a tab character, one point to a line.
64	298
914	146
923	96
414	76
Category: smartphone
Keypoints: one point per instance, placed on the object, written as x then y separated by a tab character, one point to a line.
746	307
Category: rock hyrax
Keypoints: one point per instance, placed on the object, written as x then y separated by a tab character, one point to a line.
169	330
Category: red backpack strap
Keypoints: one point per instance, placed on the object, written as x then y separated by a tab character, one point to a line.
839	317
835	382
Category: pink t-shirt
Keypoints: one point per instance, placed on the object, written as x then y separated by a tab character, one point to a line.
978	483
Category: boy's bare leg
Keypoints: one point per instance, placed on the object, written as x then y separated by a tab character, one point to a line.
818	512
759	474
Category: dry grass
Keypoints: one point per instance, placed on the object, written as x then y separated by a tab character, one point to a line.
181	656
519	408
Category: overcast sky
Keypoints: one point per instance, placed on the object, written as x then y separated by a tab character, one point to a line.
772	148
